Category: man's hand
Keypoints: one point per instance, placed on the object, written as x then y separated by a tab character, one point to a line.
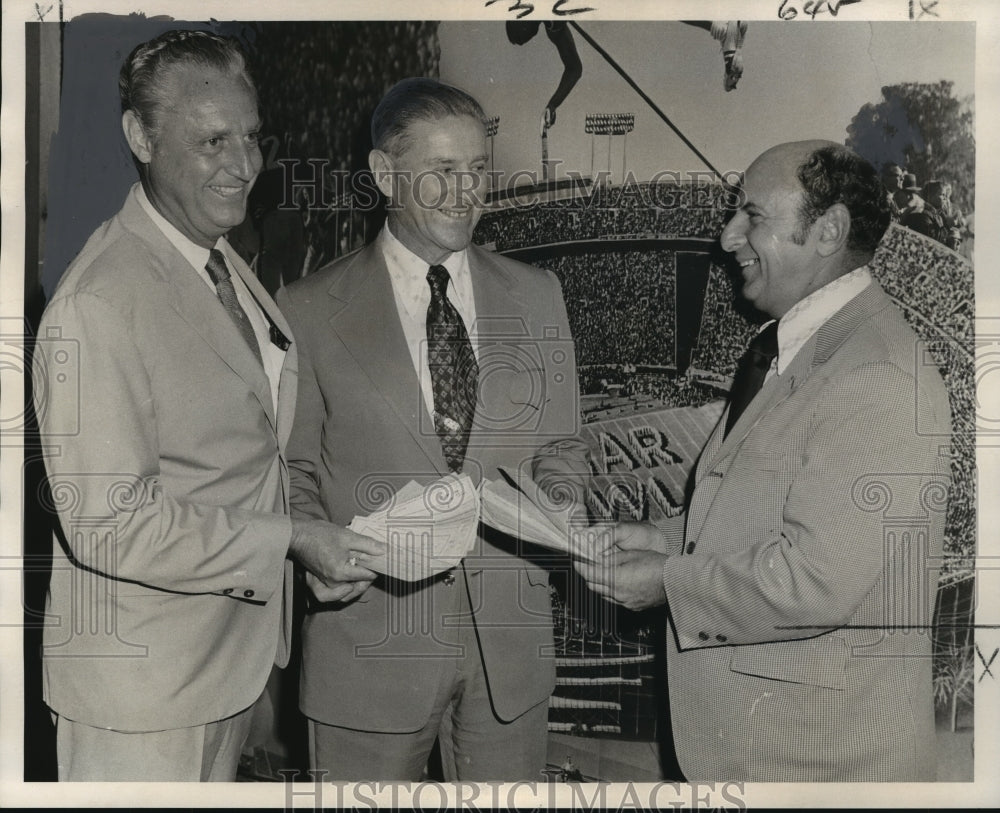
337	591
603	539
639	536
334	558
631	578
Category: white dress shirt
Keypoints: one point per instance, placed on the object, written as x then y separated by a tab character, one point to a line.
408	274
271	355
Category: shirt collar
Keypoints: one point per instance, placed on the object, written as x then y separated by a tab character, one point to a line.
192	252
408	273
807	315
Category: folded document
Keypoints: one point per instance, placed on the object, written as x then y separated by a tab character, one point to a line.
428	529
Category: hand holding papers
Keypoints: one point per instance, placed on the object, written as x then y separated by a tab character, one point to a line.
427	529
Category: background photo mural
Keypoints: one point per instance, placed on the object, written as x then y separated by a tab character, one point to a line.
623	196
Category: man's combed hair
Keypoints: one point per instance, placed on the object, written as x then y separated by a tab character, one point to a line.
140	83
417	99
835	174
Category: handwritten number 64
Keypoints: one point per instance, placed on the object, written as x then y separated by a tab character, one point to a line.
787	10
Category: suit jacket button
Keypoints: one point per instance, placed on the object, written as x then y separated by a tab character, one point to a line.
449	579
703	635
248	593
227	591
690	547
721	639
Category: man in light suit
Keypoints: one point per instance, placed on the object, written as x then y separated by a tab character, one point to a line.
800	584
168	600
465	656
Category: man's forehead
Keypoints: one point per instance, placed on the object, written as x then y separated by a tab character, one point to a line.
425	130
767	184
197	93
202	82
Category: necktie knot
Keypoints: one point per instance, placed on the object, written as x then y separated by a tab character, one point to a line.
216	266
764	346
438	277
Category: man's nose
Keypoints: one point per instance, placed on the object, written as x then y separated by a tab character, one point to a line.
245	161
469	187
733	235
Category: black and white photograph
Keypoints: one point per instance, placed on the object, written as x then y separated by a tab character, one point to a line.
488	404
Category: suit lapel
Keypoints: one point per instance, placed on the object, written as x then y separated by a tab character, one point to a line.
365	318
815	352
194	303
499	301
774	391
287	382
499	318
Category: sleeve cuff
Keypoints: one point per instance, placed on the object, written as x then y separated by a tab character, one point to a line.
672	534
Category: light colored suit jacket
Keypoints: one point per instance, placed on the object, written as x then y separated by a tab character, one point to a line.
166	468
362	431
802	600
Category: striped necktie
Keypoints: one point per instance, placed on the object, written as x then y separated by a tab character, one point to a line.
219	272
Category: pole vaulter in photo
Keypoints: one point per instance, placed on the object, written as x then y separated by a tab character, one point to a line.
631	82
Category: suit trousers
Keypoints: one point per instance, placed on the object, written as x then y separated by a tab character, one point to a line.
475	745
201	753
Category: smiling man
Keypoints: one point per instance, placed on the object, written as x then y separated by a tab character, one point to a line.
423	355
169	593
800	582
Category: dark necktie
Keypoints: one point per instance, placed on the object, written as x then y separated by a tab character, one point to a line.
751	372
219	272
454	370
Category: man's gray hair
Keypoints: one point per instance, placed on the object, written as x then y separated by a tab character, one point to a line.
143	75
417	99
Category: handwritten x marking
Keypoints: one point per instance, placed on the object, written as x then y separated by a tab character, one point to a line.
986	670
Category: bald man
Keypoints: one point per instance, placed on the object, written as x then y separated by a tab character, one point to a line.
800	581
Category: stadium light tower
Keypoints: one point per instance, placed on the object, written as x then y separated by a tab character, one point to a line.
492	125
609	124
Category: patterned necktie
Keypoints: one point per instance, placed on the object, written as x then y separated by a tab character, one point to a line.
454	370
217	270
751	372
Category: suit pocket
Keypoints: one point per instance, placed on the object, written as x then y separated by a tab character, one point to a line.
776	462
820	661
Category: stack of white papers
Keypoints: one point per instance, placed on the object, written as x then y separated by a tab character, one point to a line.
426	529
516	505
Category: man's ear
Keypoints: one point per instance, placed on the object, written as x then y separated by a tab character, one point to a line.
834	228
138	139
380	163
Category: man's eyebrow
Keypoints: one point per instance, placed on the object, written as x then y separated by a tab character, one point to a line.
450	159
215	131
